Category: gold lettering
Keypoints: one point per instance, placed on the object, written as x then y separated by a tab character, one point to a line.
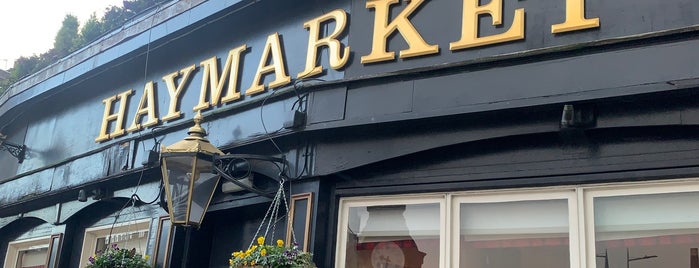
175	91
469	25
109	116
575	18
145	107
382	30
334	46
230	70
276	66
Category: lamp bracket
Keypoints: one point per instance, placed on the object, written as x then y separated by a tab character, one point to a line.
250	156
16	150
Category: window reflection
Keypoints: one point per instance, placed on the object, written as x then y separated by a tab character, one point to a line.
647	231
526	234
128	240
33	257
395	236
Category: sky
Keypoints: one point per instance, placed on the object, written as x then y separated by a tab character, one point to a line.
28	27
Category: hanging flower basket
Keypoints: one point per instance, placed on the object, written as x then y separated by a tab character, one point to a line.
115	257
271	256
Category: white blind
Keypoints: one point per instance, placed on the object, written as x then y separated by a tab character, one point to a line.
518	219
384	223
620	217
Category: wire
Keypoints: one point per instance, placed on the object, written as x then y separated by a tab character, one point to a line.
305	166
157	142
300	98
262	119
134	197
116	218
160	191
145	78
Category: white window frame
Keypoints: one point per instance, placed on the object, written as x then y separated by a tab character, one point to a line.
347	203
507	196
15	247
612	190
580	211
93	233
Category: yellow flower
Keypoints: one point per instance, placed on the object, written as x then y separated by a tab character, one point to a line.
146	257
260	240
263	252
230	261
252	263
253	248
280	243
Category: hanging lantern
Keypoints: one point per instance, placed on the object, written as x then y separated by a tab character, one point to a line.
189	177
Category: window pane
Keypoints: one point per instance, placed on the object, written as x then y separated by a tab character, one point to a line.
32	258
526	234
127	240
393	236
654	230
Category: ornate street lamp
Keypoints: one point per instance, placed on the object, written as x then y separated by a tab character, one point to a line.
191	171
189	177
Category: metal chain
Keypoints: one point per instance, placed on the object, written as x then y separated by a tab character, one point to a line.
288	217
275	213
262	223
271	216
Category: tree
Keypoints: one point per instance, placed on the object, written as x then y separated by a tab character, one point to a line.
115	17
138	6
67	37
24	66
92	29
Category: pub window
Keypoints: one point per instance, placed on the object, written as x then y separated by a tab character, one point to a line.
634	225
643	228
129	235
404	232
30	253
515	230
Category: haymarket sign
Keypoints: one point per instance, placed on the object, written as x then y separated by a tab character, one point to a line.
222	87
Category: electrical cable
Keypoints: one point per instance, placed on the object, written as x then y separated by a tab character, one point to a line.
116	218
134	196
145	78
262	119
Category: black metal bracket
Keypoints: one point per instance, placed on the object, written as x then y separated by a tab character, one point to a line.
16	150
233	167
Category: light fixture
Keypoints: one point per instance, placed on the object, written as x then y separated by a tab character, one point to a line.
188	176
191	170
16	150
580	116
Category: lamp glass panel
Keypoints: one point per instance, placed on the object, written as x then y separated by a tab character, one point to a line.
204	185
179	174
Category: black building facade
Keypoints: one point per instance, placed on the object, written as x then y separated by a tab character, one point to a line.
443	133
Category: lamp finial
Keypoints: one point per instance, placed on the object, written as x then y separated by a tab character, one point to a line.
197	132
